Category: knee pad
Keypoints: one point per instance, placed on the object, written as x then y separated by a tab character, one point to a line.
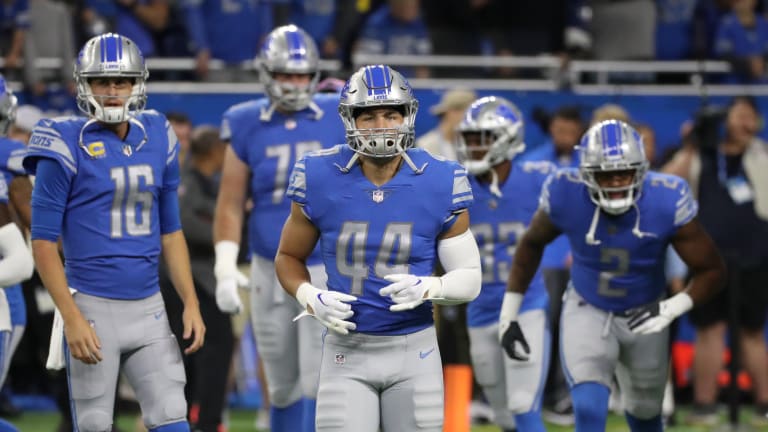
94	421
169	405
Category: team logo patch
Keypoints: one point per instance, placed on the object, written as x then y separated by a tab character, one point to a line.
378	196
340	359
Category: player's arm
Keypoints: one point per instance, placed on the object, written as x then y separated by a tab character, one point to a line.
49	200
460	258
528	253
176	255
696	248
700	254
16	264
227	226
297	241
20	195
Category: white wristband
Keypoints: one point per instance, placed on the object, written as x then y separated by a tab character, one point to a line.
679	304
226	258
304	292
510	306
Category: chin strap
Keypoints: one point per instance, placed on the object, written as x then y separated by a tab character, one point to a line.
590	239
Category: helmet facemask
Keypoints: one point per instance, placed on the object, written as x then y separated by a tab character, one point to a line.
500	127
110	56
289	50
380	142
612	146
8	106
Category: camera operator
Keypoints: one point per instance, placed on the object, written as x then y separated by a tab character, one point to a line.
729	177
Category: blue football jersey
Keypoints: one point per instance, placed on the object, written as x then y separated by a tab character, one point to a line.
625	270
368	232
498	223
11	154
111	227
271	149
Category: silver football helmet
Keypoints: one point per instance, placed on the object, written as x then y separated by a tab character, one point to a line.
288	49
8	105
110	55
378	86
500	126
612	145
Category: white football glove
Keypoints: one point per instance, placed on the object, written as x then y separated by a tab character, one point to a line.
331	308
408	291
657	316
228	277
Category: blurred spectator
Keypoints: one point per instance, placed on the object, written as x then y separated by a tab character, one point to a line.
182	126
207	370
649	142
227	30
675	28
730	180
14	25
140	21
316	17
565	128
347	23
396	29
51	35
27	117
742	39
440	141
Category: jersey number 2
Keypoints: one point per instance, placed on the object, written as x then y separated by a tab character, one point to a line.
128	198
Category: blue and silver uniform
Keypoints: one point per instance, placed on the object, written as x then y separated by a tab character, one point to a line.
623	271
368	232
498	224
121	199
11	154
270	149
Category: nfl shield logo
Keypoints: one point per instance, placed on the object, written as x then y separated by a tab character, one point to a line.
340	359
378	196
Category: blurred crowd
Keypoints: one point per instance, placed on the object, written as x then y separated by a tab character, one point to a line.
231	31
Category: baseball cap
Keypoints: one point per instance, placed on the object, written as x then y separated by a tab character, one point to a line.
458	98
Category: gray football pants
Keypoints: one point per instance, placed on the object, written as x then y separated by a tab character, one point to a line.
388	383
511	386
289	350
135	338
595	343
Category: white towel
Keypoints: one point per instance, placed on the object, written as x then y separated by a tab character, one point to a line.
56	360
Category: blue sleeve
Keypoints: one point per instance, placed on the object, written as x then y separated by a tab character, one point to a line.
170	217
686	207
49	199
193	15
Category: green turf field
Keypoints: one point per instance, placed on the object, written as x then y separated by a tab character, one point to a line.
242	421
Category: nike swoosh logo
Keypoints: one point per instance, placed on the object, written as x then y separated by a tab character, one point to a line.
158	314
423	355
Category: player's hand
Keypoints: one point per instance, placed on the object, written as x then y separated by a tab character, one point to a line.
656	317
227	295
228	277
511	337
331	308
194	328
407	291
82	340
